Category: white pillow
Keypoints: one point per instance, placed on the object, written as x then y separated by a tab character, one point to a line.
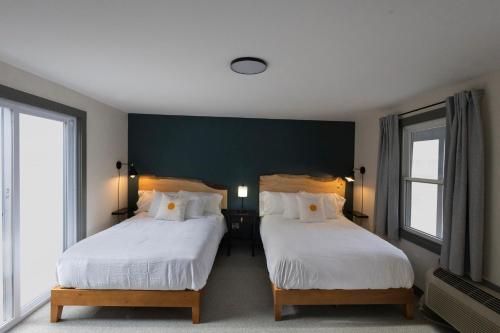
212	201
172	208
290	207
155	203
144	201
329	203
270	203
340	204
311	208
195	208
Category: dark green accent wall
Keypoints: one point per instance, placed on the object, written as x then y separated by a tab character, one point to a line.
234	151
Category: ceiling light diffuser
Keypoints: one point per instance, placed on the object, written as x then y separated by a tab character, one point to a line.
248	65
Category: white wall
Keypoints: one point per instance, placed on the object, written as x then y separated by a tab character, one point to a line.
106	142
366	149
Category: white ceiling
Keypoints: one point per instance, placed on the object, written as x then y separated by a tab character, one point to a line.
327	59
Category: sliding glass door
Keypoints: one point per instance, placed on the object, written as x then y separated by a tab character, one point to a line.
41	204
2	287
38	203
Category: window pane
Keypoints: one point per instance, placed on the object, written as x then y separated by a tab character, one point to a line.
425	215
425	159
41	173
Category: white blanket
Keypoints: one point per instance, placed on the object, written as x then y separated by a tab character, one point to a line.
144	254
336	254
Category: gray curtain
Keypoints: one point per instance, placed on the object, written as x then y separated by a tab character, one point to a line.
387	191
463	207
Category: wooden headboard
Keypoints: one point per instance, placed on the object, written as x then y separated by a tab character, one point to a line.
168	184
297	183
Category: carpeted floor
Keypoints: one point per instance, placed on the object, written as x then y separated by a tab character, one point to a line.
237	299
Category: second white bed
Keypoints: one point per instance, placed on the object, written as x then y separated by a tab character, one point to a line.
142	253
336	254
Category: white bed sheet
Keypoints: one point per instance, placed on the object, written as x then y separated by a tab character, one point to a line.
142	253
336	254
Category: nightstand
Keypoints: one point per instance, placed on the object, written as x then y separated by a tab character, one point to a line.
356	216
122	214
240	224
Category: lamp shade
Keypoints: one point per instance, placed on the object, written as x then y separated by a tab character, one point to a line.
242	191
132	172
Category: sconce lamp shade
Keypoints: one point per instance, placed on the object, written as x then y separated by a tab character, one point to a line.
242	191
349	179
132	172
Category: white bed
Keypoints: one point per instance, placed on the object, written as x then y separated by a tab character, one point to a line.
329	262
142	253
145	262
336	254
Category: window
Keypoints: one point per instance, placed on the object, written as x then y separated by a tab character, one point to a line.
422	170
40	177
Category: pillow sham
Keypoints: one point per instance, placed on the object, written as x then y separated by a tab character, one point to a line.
144	201
290	205
340	204
270	203
156	201
195	208
172	208
329	203
212	201
311	208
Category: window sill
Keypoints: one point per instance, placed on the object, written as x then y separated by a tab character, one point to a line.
424	242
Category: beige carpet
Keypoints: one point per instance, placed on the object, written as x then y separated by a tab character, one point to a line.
237	299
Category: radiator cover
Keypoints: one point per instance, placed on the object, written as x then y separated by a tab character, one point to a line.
463	305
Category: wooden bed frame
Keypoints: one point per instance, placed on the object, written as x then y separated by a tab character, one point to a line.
61	297
294	183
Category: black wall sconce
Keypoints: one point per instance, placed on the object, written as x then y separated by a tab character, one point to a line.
351	178
132	173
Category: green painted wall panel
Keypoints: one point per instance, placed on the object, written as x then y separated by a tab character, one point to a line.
233	151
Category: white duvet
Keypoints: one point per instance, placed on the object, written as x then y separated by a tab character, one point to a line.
336	254
144	254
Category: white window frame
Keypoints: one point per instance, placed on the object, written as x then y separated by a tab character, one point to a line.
10	216
407	180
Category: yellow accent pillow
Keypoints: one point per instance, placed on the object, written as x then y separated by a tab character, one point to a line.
329	203
172	208
311	208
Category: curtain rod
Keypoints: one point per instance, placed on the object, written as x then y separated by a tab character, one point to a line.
421	108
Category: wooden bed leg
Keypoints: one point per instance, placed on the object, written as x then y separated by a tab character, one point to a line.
277	305
277	311
195	314
195	310
55	312
409	307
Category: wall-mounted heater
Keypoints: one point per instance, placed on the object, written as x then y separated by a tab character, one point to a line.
463	305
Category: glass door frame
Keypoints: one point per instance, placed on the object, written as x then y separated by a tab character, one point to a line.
13	310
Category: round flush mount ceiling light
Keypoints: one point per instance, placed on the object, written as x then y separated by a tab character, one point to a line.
248	65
